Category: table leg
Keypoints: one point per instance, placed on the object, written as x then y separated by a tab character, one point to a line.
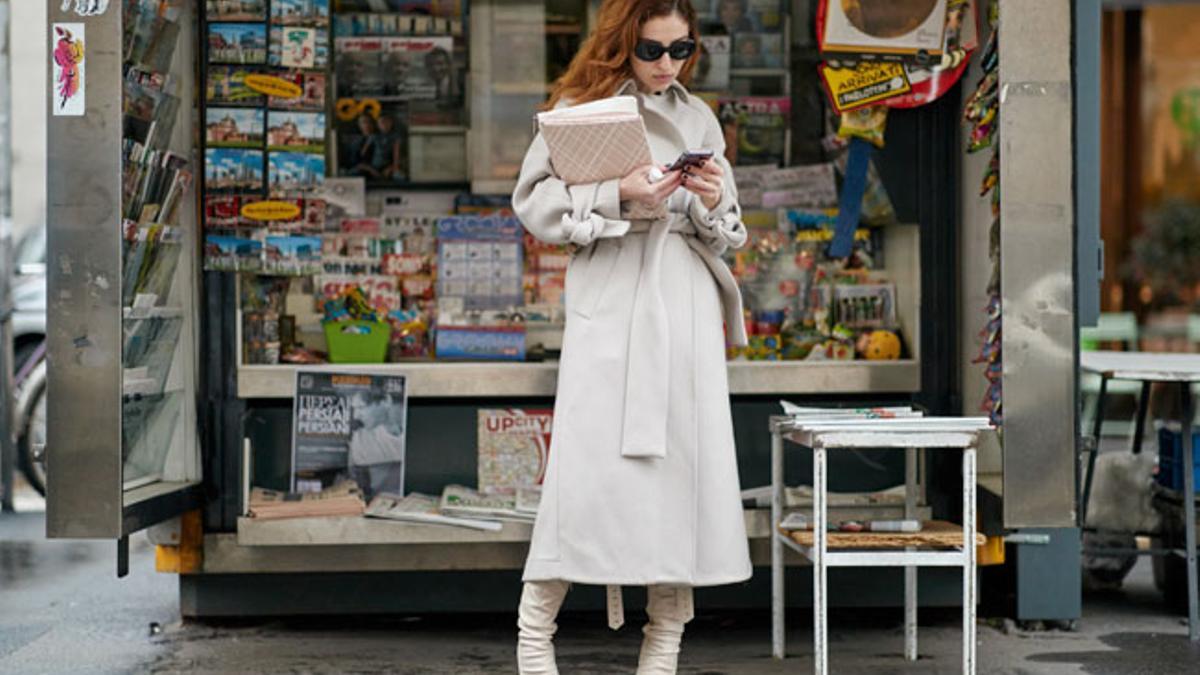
1139	425
777	564
969	526
910	572
1091	462
1187	412
820	541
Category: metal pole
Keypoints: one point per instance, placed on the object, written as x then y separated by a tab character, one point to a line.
777	564
910	572
1188	412
7	451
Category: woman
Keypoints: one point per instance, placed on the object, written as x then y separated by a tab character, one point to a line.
642	485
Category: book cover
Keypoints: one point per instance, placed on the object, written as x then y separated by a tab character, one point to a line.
350	424
513	448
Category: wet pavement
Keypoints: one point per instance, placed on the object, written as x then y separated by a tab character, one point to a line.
63	611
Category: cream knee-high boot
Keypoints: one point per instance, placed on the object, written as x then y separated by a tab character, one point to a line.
540	602
668	609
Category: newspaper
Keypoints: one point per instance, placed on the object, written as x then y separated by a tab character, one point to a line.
514	447
420	508
459	500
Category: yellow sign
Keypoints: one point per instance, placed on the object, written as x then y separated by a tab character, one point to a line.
271	211
274	86
870	82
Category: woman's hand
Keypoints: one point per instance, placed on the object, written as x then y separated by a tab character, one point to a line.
706	181
637	187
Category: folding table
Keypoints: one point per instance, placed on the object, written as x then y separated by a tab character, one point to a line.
928	548
1148	367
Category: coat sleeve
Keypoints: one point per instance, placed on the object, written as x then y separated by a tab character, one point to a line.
557	213
720	228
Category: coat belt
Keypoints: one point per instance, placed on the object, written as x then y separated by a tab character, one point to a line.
648	376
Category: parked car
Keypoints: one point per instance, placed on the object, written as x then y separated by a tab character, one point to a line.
29	364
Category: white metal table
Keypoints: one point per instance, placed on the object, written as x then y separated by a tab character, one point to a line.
911	433
1148	367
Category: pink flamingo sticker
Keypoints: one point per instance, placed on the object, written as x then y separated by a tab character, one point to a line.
69	78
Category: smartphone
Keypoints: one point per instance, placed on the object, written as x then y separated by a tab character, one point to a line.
690	158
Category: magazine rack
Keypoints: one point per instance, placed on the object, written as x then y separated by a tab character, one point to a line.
122	447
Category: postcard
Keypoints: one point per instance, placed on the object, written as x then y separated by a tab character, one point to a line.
244	43
296	131
233	168
234	127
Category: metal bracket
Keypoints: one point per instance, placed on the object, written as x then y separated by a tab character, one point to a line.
1027	539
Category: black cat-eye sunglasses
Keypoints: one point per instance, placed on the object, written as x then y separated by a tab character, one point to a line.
652	50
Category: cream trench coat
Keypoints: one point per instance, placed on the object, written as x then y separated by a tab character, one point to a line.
642	483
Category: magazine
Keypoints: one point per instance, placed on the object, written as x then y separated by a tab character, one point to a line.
226	85
459	500
238	43
514	447
236	10
712	71
350	423
755	129
420	508
234	127
757	50
231	168
296	131
292	172
372	143
341	499
312	88
398	68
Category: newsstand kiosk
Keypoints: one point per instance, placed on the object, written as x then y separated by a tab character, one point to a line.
169	120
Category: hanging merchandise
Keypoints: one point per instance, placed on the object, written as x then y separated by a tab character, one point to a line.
981	114
866	84
889	30
959	42
864	127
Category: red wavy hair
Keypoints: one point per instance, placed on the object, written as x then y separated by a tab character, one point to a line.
602	62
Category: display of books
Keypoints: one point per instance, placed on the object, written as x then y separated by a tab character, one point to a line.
425	509
339	500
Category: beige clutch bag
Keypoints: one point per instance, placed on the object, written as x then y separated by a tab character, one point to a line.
595	141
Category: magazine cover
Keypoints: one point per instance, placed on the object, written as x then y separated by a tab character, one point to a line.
241	43
514	446
312	88
712	71
296	131
349	424
295	172
291	255
372	142
299	47
300	12
233	168
236	10
755	129
234	127
758	50
398	68
226	85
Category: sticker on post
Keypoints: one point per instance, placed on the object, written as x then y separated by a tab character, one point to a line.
70	77
85	7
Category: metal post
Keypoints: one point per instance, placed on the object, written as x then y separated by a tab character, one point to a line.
1091	462
910	572
968	616
7	451
778	605
1139	427
1187	412
820	540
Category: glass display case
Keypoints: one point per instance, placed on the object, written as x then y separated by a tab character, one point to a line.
122	442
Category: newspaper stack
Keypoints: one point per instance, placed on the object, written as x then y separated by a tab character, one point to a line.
342	499
461	501
419	508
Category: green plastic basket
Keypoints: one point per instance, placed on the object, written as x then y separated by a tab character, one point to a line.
352	347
